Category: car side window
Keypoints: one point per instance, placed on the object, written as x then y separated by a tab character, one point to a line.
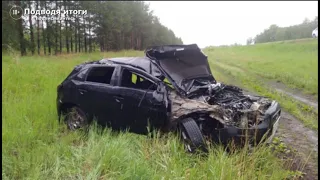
81	75
100	75
133	80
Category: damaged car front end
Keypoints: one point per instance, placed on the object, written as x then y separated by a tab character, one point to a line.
222	112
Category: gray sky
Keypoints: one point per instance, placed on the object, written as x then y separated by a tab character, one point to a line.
223	23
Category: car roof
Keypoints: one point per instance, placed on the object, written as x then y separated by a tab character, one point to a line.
142	63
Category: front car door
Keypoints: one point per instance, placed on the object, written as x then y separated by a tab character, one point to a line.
143	105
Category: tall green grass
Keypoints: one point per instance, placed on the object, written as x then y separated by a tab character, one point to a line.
293	63
36	146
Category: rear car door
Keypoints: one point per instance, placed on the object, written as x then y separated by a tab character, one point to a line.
142	105
97	91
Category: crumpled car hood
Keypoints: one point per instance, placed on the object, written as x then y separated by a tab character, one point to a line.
182	63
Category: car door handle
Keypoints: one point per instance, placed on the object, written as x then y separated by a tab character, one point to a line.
82	91
118	98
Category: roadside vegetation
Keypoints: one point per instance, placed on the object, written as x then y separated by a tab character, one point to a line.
36	146
276	33
107	26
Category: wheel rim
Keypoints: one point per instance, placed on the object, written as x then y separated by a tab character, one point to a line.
75	120
186	141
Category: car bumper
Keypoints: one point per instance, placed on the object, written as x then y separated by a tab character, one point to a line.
264	131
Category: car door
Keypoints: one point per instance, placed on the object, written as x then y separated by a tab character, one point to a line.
97	92
142	105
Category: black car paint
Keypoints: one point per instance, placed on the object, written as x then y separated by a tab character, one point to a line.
122	108
112	105
178	64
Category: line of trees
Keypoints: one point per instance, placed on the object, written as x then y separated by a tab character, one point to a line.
108	25
276	33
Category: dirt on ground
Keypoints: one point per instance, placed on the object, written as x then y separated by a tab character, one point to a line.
301	139
305	141
297	136
295	94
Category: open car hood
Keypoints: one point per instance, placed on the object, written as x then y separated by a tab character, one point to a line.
182	64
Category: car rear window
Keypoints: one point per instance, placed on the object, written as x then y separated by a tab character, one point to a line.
100	74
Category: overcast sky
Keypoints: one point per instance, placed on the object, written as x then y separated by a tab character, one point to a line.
223	23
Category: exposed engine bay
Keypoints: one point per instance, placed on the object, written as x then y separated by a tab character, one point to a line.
225	103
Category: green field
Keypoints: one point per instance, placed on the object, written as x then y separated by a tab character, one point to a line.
36	146
294	63
291	63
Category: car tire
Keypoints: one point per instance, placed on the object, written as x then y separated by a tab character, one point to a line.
75	118
191	136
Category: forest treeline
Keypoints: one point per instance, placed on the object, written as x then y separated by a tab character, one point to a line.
276	33
106	26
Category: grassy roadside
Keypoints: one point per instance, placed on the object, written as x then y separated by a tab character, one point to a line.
293	63
35	146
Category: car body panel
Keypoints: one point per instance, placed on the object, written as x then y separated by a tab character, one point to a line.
182	63
142	107
115	106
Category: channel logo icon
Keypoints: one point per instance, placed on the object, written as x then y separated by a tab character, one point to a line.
16	12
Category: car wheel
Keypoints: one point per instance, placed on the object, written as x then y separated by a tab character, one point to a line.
191	136
76	119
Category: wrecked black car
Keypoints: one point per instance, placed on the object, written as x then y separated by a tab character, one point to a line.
170	89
